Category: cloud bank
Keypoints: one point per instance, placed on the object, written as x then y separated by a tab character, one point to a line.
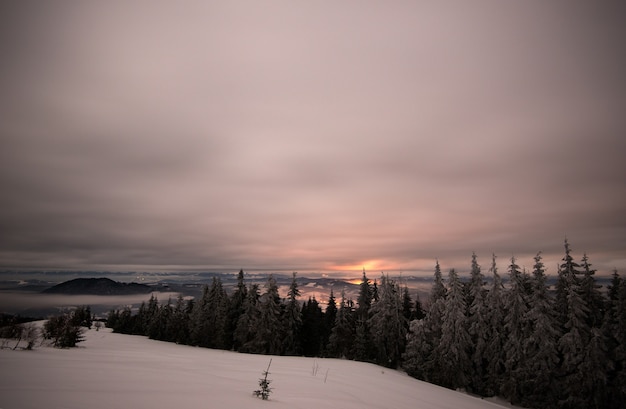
321	136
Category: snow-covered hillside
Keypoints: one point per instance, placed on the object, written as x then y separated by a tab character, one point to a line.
122	371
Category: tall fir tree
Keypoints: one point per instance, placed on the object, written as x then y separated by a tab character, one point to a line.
537	380
269	332
292	320
154	325
362	347
217	315
424	334
199	320
166	313
418	353
408	306
342	337
438	291
617	380
236	310
375	291
329	318
433	325
364	300
478	327
516	329
590	292
573	342
387	324
418	311
494	354
596	365
248	322
146	315
437	301
567	275
180	321
453	350
311	335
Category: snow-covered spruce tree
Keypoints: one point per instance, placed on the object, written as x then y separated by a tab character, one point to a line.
478	321
329	317
179	325
312	327
387	324
374	291
567	275
208	317
362	348
218	314
452	354
62	332
292	320
154	326
572	345
419	360
597	364
364	300
434	324
438	291
145	316
342	335
538	371
494	353
236	310
590	291
416	360
141	320
615	333
437	301
418	312
158	328
269	333
516	328
248	322
408	307
198	320
122	322
82	317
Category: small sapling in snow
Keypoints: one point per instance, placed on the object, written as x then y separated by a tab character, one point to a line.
264	383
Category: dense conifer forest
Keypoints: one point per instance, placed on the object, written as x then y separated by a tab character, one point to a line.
517	338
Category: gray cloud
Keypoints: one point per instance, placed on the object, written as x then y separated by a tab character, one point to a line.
228	135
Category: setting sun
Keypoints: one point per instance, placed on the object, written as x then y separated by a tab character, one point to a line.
368	266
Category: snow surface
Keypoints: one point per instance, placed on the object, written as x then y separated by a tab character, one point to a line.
122	371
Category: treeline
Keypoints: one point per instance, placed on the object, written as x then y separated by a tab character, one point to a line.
538	348
254	321
533	345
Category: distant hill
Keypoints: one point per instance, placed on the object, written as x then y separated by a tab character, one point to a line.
97	286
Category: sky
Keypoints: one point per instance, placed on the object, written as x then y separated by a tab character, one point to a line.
311	136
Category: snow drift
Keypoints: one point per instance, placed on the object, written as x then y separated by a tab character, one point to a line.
121	371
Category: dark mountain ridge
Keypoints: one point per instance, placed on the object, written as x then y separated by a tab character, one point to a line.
97	286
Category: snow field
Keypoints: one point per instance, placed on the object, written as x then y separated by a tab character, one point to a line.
110	370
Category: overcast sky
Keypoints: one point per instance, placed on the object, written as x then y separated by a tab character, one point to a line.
322	135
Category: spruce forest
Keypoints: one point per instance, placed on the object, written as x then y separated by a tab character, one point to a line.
512	336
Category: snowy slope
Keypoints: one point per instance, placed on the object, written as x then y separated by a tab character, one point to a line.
122	371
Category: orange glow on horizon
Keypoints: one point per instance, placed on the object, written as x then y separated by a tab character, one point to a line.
369	266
